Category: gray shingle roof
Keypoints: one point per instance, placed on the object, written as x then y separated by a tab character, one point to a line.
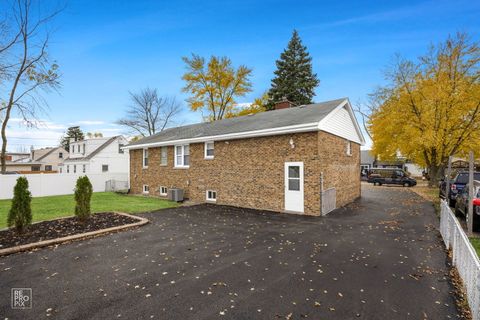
265	120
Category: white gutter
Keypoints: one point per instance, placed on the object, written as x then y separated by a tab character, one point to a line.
313	126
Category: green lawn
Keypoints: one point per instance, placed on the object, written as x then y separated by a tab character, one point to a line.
476	244
46	208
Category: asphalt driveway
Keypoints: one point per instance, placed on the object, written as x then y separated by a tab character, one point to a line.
380	258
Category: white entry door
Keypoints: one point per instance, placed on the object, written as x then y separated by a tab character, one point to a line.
294	186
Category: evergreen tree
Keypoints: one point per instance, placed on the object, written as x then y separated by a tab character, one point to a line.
83	195
20	213
73	132
294	78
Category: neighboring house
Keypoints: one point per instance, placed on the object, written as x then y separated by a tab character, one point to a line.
38	160
97	155
15	156
50	158
368	160
278	160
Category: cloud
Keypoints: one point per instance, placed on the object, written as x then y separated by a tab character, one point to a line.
243	105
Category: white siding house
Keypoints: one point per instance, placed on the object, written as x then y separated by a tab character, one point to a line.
97	155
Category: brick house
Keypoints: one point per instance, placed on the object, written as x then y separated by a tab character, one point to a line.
295	159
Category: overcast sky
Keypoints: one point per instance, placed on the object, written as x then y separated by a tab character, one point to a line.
107	48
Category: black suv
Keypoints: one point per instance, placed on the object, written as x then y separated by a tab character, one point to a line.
390	176
456	185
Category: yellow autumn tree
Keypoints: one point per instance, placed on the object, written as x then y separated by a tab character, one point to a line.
213	86
431	108
259	105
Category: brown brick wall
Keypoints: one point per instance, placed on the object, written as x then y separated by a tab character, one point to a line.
249	172
340	170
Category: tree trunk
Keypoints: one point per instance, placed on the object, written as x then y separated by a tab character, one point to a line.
435	173
3	154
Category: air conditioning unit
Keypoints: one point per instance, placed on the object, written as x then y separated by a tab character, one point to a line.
175	194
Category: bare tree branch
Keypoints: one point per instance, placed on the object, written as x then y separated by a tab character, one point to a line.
25	66
148	113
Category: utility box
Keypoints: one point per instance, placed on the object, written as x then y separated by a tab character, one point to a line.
175	194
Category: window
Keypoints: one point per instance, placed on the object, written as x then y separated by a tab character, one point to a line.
294	178
209	150
211	195
84	148
60	155
349	148
35	168
120	146
68	169
74	168
60	169
163	191
78	148
145	158
84	168
104	167
48	168
163	156
182	156
146	190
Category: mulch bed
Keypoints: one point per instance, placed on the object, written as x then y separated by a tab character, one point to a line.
53	229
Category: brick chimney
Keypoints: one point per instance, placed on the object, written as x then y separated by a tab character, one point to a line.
283	104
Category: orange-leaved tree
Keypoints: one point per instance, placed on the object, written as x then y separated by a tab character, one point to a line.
214	85
431	109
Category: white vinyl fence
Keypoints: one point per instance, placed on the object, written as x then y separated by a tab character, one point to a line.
464	257
52	184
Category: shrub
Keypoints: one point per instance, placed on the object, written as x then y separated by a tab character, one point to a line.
20	213
83	195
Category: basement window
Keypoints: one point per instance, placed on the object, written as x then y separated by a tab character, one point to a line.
211	195
163	191
146	189
209	150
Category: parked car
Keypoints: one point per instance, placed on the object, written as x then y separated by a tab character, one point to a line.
456	184
461	204
390	176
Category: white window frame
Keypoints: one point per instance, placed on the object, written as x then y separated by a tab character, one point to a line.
205	149
84	168
166	156
145	189
210	199
349	148
103	168
182	155
163	188
145	151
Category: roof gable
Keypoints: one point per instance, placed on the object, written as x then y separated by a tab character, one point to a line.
342	122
